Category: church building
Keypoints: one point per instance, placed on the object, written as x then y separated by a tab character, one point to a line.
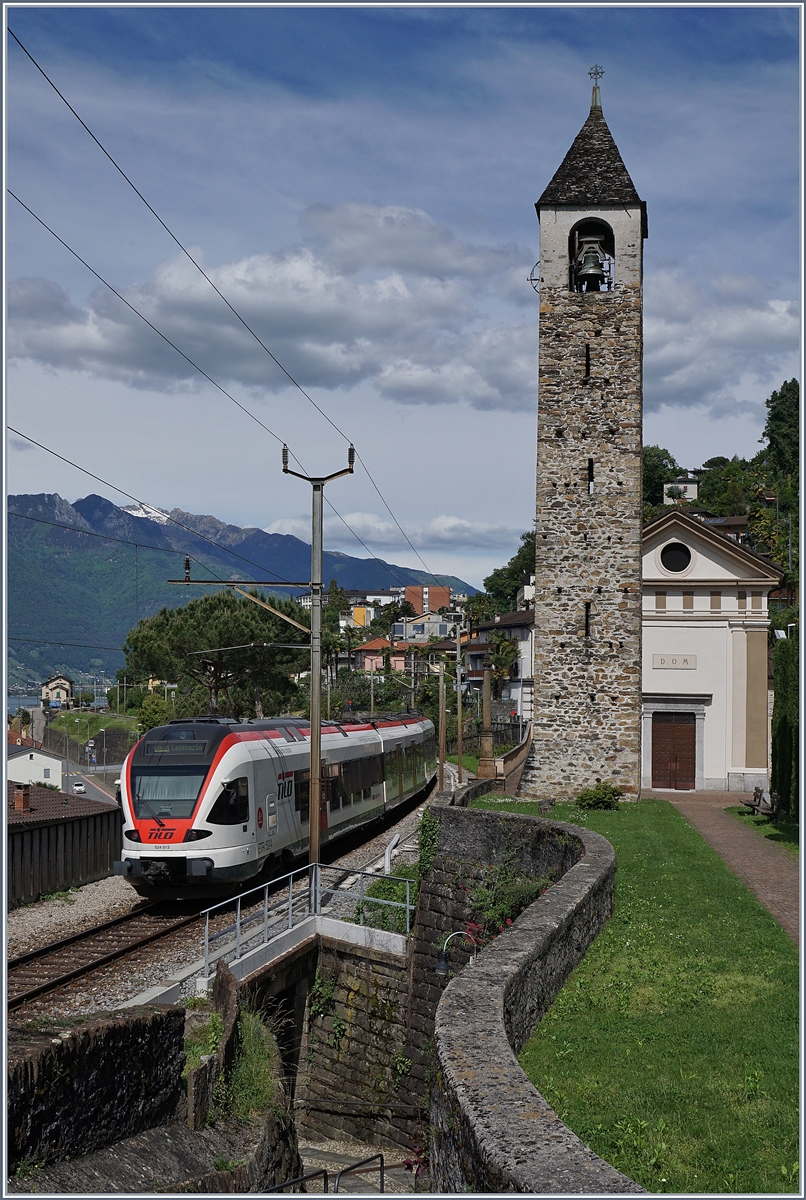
587	699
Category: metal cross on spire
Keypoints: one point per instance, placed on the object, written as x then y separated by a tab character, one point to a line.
596	72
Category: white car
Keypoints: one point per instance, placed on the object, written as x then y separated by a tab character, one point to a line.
79	789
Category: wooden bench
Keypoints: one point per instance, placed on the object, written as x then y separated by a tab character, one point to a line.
764	804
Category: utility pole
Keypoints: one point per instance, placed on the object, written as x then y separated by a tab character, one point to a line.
460	777
318	487
486	760
372	688
441	775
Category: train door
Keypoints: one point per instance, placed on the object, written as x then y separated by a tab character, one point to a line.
233	811
267	769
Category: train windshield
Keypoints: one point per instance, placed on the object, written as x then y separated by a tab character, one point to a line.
165	791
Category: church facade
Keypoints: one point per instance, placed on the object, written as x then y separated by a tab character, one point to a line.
705	709
587	699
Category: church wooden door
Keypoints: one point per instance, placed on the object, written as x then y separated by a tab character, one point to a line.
673	751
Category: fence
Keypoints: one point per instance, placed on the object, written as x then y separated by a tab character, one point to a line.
56	855
505	733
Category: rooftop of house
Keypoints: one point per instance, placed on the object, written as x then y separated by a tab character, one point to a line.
523	616
592	172
22	739
376	643
15	749
50	805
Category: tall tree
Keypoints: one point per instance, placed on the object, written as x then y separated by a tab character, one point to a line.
782	429
503	583
208	648
660	467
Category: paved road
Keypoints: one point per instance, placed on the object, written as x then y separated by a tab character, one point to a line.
94	789
772	874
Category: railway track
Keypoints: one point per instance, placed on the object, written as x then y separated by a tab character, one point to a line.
50	967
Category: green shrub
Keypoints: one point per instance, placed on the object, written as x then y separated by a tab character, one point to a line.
252	1085
601	795
502	897
387	887
202	1040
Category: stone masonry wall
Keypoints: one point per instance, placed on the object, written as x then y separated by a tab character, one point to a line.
367	1062
588	546
114	1078
491	1131
354	1074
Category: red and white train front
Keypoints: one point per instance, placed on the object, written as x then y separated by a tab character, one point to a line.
210	803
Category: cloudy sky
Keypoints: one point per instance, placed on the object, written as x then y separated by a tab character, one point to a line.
359	183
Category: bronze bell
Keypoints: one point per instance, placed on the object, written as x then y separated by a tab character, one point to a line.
590	274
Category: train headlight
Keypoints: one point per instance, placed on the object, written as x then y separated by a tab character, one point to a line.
132	835
195	835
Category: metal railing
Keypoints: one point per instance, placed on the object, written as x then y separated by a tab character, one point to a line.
280	1187
358	1167
305	894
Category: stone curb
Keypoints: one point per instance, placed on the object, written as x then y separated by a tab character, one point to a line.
494	1132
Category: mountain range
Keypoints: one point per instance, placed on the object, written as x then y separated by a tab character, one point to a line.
81	575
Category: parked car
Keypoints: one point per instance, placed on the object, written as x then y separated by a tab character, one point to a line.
79	789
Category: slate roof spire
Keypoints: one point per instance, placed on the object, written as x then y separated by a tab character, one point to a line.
592	172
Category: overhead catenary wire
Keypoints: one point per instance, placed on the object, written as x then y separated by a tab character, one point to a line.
198	368
232	309
47	642
137	500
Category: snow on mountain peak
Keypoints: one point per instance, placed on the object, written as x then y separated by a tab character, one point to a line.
145	510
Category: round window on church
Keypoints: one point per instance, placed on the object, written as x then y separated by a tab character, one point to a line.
675	556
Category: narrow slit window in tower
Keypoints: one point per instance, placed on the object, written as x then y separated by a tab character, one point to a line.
587	360
590	476
587	618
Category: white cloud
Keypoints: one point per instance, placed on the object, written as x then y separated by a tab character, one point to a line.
390	317
702	347
360	237
443	532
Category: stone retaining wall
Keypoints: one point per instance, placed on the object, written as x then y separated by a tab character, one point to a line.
491	1129
73	1094
355	1069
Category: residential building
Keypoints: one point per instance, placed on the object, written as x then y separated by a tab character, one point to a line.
517	627
57	691
371	656
419	630
705	711
680	490
30	765
525	597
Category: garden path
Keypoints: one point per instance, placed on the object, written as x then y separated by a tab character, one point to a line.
766	869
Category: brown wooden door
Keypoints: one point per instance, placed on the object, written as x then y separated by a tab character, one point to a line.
673	750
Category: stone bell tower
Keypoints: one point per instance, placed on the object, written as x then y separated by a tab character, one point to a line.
588	529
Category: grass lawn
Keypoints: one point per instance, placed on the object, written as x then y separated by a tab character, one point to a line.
92	722
672	1050
469	762
784	831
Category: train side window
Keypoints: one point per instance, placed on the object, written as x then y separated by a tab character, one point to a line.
302	794
232	806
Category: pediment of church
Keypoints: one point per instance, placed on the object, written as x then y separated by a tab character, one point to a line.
713	558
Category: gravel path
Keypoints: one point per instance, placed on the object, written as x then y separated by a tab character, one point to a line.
108	987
